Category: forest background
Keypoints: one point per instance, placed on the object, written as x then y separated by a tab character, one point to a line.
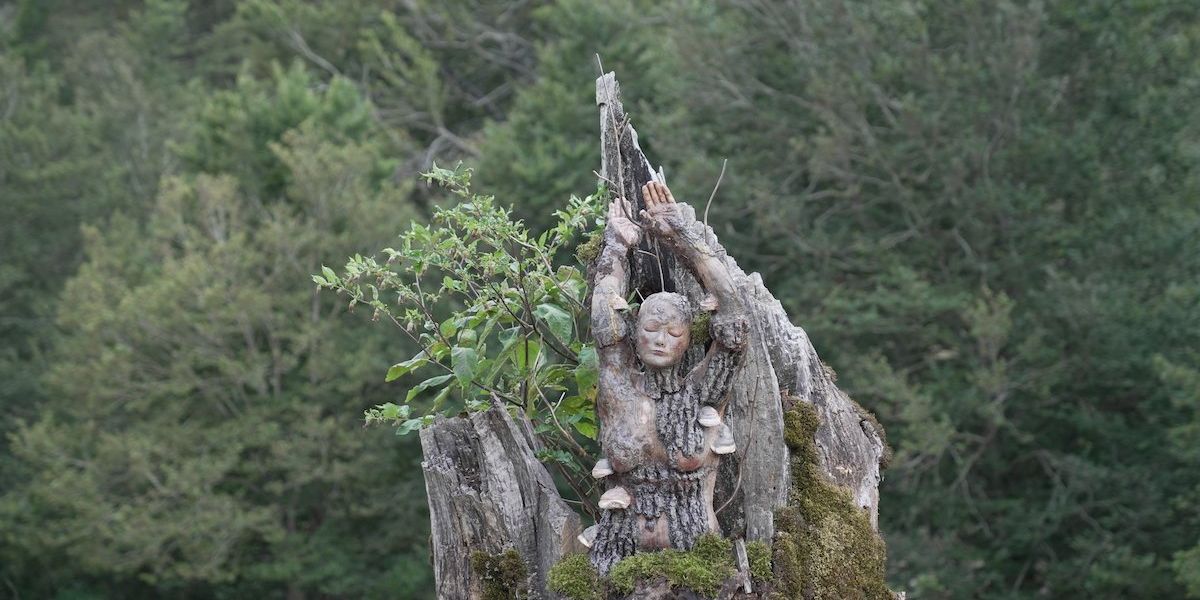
985	214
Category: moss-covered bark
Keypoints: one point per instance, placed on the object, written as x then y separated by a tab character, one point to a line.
504	575
703	569
825	547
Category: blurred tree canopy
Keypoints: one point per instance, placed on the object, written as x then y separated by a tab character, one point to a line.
984	213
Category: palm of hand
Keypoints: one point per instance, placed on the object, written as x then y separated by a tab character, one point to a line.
660	207
626	231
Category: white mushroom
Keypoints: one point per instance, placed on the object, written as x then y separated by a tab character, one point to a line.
709	417
602	469
616	498
588	536
724	443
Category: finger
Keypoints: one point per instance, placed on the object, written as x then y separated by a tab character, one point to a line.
652	198
644	214
646	197
628	208
658	198
666	192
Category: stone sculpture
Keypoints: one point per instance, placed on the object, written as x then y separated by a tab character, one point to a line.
660	406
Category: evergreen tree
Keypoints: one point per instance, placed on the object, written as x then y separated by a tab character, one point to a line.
201	437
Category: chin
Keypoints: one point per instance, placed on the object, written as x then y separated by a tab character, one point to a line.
659	362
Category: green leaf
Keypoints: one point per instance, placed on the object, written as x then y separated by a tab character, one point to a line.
440	399
588	371
391	411
464	359
586	428
412	425
558	456
508	336
424	385
449	327
559	321
398	370
526	355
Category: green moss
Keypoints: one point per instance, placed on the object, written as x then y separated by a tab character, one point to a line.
702	569
589	249
759	554
825	548
504	575
576	579
699	330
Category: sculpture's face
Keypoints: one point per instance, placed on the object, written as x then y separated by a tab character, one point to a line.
663	333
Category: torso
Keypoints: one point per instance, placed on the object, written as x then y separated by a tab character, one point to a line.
628	437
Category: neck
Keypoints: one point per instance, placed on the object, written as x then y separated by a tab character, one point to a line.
664	380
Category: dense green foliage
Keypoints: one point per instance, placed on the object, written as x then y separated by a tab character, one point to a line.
984	214
494	319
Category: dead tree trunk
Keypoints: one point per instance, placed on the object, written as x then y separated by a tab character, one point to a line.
781	361
488	493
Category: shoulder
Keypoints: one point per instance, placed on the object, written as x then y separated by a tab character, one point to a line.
731	332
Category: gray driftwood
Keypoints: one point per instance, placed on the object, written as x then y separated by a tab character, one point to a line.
488	493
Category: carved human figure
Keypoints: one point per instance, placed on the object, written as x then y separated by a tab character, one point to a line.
661	429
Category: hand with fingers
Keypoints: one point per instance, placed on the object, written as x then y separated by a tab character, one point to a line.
618	226
661	212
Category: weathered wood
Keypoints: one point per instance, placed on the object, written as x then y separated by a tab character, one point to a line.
780	359
489	493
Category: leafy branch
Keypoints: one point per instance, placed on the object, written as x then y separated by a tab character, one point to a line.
502	323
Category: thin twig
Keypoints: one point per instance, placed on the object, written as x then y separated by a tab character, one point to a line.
605	179
662	282
714	192
579	451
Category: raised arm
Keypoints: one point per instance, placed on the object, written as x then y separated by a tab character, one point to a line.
689	244
729	324
612	268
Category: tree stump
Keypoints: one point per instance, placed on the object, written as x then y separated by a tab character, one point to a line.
803	447
489	494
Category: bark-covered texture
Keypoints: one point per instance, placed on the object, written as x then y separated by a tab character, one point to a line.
780	357
488	493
